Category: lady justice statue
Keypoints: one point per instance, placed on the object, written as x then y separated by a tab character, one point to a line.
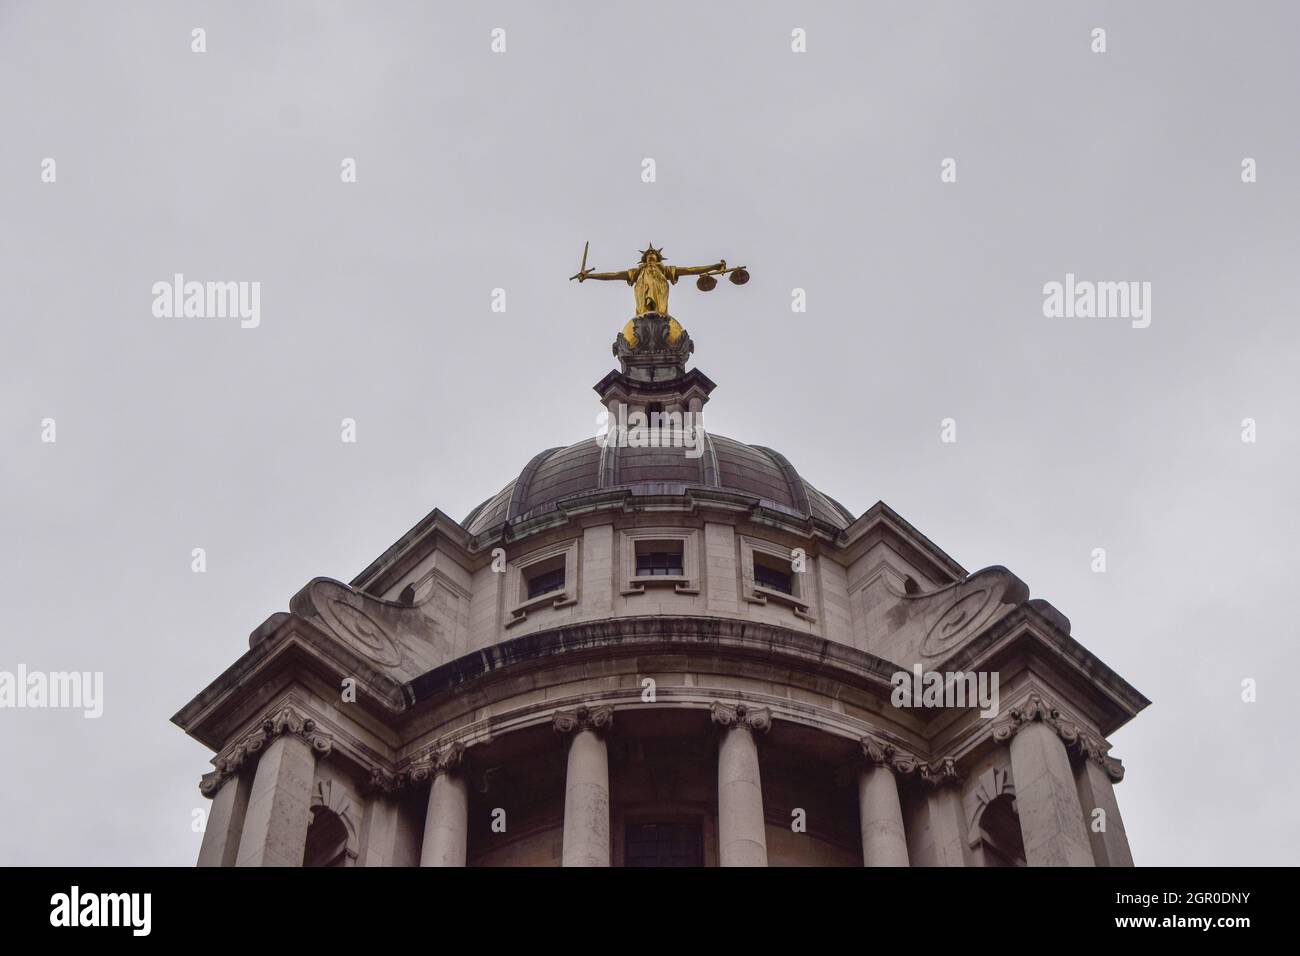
651	277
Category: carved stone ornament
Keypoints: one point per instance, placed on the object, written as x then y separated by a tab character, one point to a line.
1087	747
654	333
1034	710
757	719
584	718
437	760
880	753
288	720
941	773
382	780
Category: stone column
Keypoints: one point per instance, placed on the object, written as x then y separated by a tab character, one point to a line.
947	818
279	804
586	786
742	834
880	815
446	821
1051	819
1095	776
229	795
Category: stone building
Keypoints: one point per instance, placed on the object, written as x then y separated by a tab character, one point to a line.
679	653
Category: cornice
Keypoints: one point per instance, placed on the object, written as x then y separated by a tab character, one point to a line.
412	546
295	642
642	634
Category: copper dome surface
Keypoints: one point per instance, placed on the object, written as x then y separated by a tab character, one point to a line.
586	468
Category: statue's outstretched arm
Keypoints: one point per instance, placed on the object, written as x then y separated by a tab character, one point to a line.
700	270
625	276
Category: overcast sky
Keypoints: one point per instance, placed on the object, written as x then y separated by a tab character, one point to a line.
477	171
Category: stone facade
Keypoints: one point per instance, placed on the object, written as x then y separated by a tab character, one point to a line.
637	656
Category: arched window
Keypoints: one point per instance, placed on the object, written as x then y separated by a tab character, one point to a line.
999	831
327	839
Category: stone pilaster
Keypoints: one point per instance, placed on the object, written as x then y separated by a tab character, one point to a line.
1095	775
586	786
446	821
279	803
1047	801
742	835
947	818
880	815
225	818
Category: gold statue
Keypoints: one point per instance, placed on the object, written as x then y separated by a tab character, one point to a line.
651	278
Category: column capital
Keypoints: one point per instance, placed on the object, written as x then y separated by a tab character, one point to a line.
757	719
287	720
941	773
881	753
382	780
1035	709
437	760
1088	747
583	718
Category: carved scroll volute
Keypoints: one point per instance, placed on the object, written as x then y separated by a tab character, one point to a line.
1034	710
1087	747
756	719
583	718
881	753
438	760
287	720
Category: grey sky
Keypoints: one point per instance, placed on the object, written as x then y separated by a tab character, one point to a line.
477	171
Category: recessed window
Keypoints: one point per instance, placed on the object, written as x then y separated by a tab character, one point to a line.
659	559
772	573
663	844
666	558
542	580
767	574
327	840
545	580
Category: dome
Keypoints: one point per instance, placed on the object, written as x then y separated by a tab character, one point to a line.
587	468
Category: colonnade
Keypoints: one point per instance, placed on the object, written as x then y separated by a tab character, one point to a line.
269	817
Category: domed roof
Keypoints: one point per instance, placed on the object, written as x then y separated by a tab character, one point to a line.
563	474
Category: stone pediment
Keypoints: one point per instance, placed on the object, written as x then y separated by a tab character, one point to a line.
910	626
401	640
